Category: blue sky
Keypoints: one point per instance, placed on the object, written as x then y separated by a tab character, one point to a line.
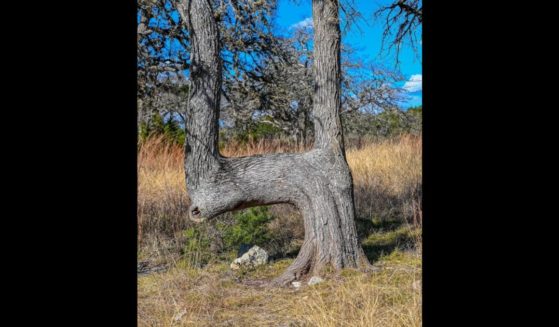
365	38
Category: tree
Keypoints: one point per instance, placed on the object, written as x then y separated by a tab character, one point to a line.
318	182
162	54
402	19
282	95
267	78
164	50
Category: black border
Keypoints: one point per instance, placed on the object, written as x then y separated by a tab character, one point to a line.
75	128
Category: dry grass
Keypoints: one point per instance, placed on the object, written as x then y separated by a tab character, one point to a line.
162	198
251	147
387	181
211	297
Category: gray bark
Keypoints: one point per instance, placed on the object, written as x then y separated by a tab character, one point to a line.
317	182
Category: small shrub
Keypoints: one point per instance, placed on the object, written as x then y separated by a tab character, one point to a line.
249	228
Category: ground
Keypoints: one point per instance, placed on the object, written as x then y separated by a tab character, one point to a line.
215	295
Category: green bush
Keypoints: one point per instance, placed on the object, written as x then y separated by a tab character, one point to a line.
207	242
249	228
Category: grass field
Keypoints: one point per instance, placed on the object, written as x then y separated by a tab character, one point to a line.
387	183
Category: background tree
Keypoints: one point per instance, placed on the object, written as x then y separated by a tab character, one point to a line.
282	97
164	49
402	21
163	56
267	78
317	182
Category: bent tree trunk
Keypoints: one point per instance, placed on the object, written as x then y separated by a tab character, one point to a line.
317	182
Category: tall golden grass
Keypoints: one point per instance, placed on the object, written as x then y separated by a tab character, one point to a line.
387	179
386	174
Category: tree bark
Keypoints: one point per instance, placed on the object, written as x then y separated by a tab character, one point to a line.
317	182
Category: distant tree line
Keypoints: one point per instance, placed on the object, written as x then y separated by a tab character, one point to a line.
268	78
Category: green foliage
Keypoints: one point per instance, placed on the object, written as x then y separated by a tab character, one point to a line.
157	126
386	124
197	248
204	243
249	228
390	122
262	129
395	122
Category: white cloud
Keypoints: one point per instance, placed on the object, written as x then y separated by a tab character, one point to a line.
414	84
305	23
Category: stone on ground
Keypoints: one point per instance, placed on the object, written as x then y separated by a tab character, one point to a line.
254	257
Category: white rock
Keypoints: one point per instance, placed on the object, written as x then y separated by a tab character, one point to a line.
254	257
296	284
315	280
